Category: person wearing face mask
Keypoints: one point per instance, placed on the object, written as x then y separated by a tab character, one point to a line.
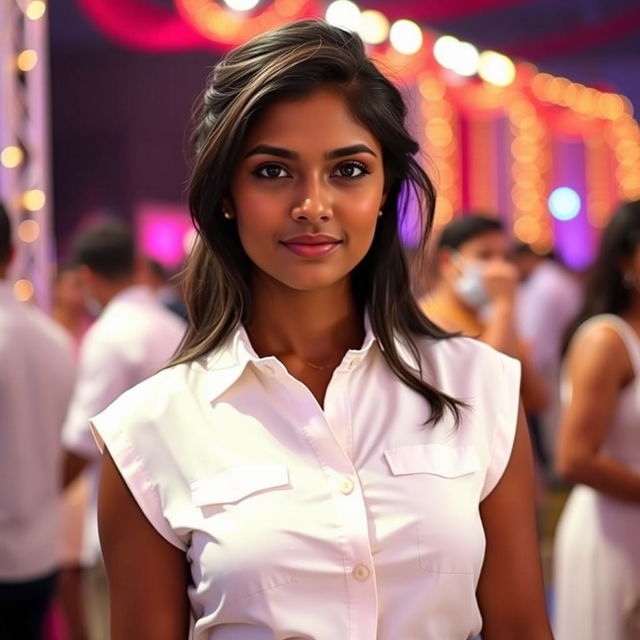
475	294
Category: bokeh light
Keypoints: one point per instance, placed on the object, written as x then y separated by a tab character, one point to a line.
406	36
564	203
29	231
344	14
11	157
241	5
34	199
23	290
496	68
35	9
374	27
27	60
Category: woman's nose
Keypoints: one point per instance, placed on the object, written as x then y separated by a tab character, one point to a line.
314	206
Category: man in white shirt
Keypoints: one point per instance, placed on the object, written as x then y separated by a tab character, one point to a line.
36	381
133	337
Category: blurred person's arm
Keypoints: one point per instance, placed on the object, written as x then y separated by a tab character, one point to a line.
148	576
598	367
534	390
510	589
501	282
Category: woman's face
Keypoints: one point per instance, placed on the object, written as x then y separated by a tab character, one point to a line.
306	192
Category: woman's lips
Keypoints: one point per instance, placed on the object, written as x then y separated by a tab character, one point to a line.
311	250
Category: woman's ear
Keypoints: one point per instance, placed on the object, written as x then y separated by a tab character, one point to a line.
228	208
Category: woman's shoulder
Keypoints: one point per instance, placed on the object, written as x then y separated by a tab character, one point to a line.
464	367
604	342
155	395
458	351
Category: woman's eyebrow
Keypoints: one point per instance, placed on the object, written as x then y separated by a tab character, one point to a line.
348	151
273	151
292	155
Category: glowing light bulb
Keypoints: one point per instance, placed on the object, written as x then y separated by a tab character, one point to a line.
496	68
27	60
23	290
444	50
33	200
29	231
466	62
564	203
458	56
374	26
344	14
35	9
241	5
11	157
406	36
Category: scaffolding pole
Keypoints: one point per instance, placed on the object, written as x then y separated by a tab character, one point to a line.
25	160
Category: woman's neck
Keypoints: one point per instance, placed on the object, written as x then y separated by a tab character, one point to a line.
317	326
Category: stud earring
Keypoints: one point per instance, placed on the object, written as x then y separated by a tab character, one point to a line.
380	213
226	214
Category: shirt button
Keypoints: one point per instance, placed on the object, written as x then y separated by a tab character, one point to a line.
346	486
361	573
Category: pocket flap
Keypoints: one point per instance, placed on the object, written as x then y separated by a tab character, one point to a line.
437	459
236	483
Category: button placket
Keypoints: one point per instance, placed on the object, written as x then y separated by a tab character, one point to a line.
350	509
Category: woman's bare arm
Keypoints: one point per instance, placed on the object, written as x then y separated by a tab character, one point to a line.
147	575
510	591
598	368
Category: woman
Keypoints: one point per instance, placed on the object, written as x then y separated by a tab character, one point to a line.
320	461
597	558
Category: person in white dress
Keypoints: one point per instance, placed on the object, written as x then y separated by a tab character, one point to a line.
597	546
320	461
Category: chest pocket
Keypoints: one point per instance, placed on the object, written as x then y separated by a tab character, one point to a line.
234	484
443	485
241	546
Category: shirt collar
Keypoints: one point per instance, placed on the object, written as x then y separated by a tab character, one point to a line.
225	364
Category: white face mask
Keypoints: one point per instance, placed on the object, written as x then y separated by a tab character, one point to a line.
94	308
470	285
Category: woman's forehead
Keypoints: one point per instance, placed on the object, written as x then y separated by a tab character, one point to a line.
321	120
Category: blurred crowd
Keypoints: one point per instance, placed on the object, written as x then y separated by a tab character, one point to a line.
117	318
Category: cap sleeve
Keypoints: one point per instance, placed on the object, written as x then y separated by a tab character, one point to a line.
120	429
502	435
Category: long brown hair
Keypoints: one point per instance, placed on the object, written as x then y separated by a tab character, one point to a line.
289	62
607	291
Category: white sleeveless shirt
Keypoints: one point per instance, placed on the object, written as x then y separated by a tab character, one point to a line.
351	521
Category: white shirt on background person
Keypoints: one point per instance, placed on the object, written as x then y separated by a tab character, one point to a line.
132	339
353	521
36	381
547	302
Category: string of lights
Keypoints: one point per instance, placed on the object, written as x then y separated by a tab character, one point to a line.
24	146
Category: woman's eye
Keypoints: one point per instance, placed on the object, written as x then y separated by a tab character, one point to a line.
271	171
351	170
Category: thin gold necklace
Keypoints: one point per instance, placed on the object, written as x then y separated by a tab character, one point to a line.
318	367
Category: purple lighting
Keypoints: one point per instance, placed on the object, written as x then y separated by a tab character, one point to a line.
574	236
162	231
